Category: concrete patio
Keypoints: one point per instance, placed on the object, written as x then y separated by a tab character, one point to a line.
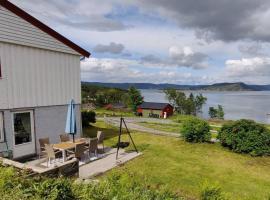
106	163
89	168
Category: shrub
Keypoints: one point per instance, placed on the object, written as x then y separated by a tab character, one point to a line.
14	185
211	192
245	136
121	187
88	117
196	130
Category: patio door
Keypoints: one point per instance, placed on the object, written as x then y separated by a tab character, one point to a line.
23	133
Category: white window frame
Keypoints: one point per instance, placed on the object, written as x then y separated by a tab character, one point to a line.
2	138
32	127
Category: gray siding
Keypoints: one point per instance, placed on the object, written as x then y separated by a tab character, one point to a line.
8	131
49	122
16	30
35	77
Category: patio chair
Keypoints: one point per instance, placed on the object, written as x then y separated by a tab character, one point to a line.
42	142
64	138
93	146
79	151
51	154
101	137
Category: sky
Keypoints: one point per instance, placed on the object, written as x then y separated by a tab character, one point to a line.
164	41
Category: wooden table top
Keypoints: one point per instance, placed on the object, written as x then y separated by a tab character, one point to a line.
69	145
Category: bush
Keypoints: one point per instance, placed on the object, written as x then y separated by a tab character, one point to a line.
246	136
14	185
55	189
196	130
88	117
122	187
211	192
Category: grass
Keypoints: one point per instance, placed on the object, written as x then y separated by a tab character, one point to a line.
182	166
100	112
173	128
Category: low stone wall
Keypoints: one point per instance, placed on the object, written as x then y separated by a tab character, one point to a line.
67	169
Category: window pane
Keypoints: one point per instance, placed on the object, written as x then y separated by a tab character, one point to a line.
22	128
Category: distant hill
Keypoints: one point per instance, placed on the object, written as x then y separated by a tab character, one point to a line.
214	87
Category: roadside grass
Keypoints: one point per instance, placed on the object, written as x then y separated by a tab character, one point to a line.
108	130
182	167
100	112
172	128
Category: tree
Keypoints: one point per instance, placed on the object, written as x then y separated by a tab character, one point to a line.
200	100
212	112
171	95
216	112
191	105
220	112
135	98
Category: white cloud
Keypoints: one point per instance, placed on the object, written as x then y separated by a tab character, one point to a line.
178	57
257	66
112	48
122	70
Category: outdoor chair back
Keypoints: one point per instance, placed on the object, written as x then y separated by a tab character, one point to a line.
64	138
51	154
101	137
49	150
80	150
42	142
93	145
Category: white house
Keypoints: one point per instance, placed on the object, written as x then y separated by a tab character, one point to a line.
39	75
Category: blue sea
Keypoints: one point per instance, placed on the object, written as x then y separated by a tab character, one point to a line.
237	105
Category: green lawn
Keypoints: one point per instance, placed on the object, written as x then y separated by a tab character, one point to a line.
182	167
173	128
100	112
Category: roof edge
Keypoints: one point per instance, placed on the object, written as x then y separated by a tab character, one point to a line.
35	22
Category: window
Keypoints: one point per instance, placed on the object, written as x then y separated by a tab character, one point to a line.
1	127
22	128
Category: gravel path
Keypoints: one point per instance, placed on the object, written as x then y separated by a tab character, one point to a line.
131	124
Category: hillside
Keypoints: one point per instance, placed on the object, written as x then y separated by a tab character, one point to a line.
214	87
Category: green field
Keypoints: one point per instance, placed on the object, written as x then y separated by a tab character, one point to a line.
173	128
182	167
100	112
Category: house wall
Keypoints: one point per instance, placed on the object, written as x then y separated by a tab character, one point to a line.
147	111
16	30
169	110
48	121
8	130
51	122
33	77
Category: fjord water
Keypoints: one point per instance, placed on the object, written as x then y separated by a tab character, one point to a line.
237	104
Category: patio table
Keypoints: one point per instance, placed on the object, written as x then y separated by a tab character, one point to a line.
64	146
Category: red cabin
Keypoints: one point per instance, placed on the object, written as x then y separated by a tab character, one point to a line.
156	110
